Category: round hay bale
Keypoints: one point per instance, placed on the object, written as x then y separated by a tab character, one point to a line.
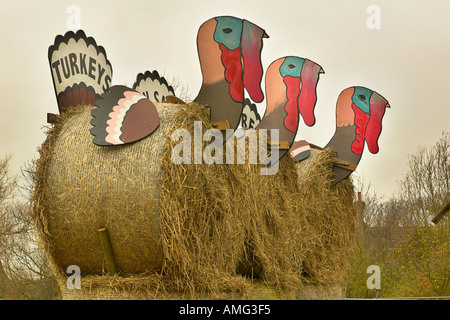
159	215
305	231
198	229
88	187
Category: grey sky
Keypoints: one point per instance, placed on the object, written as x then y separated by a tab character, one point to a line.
407	61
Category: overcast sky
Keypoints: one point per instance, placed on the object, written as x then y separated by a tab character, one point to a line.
405	58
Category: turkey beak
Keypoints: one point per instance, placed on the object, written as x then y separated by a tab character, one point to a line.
321	71
388	105
265	35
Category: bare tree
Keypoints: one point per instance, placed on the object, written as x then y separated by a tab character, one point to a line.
370	206
24	270
7	185
182	91
427	182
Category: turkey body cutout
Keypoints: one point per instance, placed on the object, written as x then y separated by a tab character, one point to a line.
153	86
229	51
123	116
80	70
359	115
291	84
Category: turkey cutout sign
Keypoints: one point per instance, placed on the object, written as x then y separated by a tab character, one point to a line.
359	115
80	70
250	117
291	91
123	116
153	86
229	50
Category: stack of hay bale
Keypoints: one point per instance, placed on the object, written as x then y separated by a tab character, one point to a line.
188	230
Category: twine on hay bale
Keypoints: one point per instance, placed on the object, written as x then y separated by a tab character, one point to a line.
187	229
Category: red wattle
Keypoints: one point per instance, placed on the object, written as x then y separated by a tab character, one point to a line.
231	60
251	44
361	119
373	129
291	107
307	99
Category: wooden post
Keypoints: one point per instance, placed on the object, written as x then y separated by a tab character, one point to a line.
221	125
53	118
108	251
282	145
444	210
175	100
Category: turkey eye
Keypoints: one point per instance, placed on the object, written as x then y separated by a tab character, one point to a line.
362	97
291	66
227	30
